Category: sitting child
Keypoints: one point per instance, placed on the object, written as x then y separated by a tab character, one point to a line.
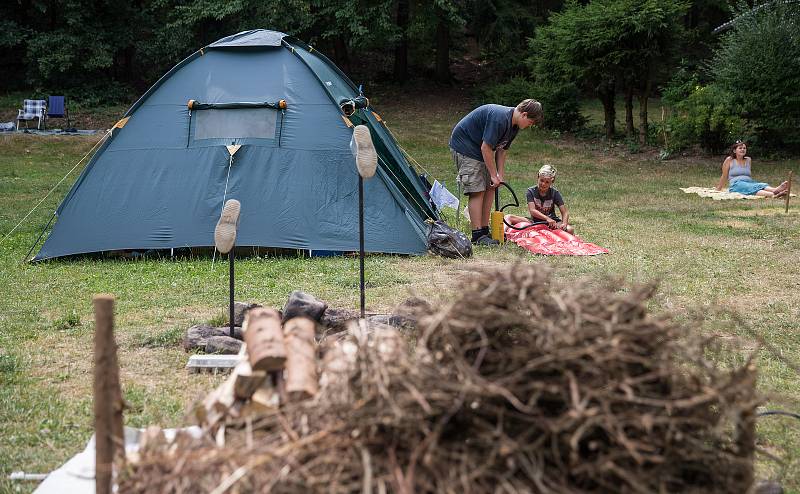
542	200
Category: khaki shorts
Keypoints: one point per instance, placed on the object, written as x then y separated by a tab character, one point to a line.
473	176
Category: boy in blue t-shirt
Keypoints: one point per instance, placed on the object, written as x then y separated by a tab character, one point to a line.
542	202
479	143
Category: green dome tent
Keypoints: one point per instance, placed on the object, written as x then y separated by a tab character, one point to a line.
257	117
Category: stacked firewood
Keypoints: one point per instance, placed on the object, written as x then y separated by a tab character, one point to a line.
518	383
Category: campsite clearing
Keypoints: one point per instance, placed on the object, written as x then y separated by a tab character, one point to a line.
712	257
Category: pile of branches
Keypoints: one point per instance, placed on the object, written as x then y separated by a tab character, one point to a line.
520	384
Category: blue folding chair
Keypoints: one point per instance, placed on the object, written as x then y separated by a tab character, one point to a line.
57	108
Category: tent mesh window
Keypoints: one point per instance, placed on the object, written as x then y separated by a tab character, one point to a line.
236	123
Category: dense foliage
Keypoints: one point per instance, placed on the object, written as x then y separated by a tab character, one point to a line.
758	65
736	85
110	50
748	91
608	46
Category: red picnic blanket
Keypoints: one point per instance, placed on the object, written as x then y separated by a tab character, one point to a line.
539	239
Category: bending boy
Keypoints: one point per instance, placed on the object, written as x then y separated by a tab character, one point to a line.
542	200
479	143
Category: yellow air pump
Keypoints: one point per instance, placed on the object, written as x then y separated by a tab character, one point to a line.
497	228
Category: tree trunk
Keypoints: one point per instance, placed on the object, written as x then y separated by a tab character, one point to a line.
442	49
341	54
606	94
629	127
643	126
401	50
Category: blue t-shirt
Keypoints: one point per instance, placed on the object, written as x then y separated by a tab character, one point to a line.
488	123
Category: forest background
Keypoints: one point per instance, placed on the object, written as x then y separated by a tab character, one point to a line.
724	69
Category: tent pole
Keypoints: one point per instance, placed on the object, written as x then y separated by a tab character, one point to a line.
230	277
361	238
40	236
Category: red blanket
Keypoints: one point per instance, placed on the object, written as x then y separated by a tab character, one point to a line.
539	239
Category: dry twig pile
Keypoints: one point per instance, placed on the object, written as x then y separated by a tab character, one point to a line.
521	384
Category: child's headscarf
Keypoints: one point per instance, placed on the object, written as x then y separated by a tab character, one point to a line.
547	171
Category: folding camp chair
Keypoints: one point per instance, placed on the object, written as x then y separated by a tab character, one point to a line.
32	108
57	108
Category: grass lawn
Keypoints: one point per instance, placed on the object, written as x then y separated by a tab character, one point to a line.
734	260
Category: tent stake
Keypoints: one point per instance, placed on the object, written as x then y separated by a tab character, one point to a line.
789	191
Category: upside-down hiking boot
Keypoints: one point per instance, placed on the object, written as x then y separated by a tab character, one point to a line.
364	151
225	231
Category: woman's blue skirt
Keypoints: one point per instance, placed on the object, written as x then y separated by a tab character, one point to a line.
747	186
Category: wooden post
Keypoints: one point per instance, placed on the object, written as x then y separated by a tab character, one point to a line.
107	395
745	438
264	339
789	191
301	360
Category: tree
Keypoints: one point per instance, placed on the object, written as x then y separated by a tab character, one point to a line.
580	44
502	28
653	33
402	17
758	64
611	44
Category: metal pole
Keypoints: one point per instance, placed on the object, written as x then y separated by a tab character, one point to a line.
230	277
361	237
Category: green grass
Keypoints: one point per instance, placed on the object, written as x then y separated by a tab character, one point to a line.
737	256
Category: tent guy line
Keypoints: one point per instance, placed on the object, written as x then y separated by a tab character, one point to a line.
55	187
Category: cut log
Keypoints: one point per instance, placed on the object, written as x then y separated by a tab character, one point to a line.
264	338
301	359
217	402
266	397
246	380
338	364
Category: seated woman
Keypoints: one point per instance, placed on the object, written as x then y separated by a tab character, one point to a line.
542	200
736	171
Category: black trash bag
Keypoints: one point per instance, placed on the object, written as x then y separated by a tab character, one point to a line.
447	242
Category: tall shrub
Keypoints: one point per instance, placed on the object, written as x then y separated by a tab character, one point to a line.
758	64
